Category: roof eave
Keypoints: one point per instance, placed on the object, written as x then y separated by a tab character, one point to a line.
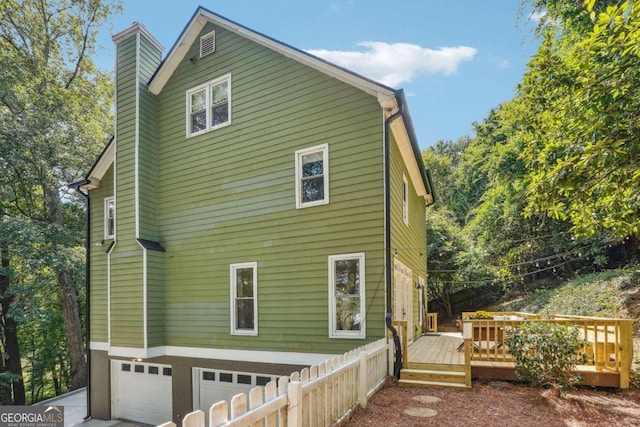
202	16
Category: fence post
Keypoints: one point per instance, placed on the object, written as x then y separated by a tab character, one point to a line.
626	352
294	410
193	419
362	379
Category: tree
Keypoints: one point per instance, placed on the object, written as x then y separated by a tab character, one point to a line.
55	114
579	102
454	263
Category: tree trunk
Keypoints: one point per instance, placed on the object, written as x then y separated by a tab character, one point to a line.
445	302
73	331
12	360
69	299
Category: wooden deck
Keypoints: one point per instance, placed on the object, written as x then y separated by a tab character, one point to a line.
437	349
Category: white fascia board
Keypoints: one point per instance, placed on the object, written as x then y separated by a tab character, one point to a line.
406	151
137	28
382	93
257	356
99	346
101	167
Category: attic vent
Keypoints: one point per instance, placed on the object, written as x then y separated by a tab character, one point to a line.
207	44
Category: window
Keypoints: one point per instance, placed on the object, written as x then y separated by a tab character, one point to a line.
405	200
312	176
209	106
244	307
346	296
109	218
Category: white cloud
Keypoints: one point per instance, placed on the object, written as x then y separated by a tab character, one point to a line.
504	64
393	64
537	16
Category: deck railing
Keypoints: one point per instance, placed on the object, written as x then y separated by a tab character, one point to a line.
320	395
432	322
609	341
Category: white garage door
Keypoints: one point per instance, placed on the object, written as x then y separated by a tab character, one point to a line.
211	385
141	392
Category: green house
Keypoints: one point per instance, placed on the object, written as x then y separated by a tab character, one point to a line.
257	211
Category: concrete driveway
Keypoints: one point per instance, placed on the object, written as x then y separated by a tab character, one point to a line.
75	410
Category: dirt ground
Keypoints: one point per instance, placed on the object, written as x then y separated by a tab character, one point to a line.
497	403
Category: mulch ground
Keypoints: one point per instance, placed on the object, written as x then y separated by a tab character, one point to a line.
497	403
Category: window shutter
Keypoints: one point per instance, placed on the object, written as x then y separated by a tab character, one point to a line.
207	44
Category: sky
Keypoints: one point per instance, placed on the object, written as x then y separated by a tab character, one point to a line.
455	59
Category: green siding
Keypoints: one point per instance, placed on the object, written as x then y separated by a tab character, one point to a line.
149	60
227	196
126	298
98	263
127	261
409	241
155	298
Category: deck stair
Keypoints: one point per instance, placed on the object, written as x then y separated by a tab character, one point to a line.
433	375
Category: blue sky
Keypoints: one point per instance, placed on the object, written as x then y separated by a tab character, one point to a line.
455	59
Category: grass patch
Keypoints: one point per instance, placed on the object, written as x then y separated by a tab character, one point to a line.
600	294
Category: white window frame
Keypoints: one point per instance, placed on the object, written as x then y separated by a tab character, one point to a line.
233	276
207	88
405	200
324	149
333	331
107	201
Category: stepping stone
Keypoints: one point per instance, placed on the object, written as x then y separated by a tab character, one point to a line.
421	412
426	399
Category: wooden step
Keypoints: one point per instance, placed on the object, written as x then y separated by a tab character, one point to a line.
435	367
418	383
432	375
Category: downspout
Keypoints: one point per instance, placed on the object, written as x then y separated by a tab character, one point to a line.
76	186
397	365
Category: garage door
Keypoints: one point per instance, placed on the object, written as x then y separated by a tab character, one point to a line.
211	385
141	392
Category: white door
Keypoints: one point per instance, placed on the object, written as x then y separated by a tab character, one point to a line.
212	385
403	309
141	392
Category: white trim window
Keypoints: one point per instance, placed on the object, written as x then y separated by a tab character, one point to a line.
312	176
244	298
405	200
209	106
109	218
346	296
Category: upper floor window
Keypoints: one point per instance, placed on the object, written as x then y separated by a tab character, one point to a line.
209	106
346	296
312	176
405	200
109	218
244	302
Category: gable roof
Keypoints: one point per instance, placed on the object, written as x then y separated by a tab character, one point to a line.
390	100
203	16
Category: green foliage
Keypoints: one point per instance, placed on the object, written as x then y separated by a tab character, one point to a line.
546	354
454	262
55	115
595	294
578	125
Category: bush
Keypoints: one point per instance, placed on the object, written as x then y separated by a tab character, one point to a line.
634	377
546	354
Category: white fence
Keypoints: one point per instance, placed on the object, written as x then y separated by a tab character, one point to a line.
318	396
